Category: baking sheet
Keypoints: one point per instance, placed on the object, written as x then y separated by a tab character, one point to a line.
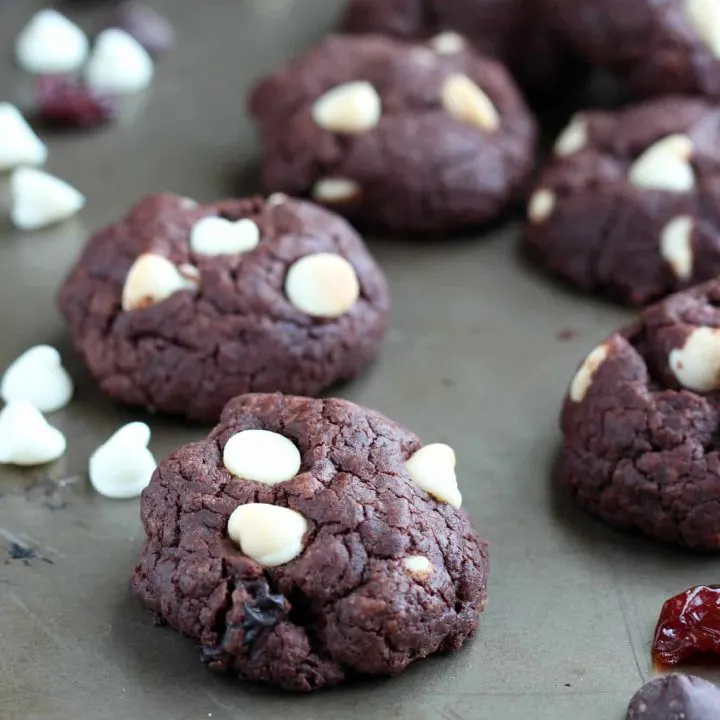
473	359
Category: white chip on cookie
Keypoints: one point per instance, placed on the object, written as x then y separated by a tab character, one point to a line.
573	138
322	285
676	246
584	376
447	43
541	206
704	16
665	165
432	468
261	455
269	534
468	103
418	567
123	466
40	199
26	437
335	190
39	377
119	63
153	278
696	364
352	108
218	236
19	145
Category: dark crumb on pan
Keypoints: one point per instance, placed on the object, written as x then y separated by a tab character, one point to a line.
20	552
566	334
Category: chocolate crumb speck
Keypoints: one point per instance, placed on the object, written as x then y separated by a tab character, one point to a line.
566	334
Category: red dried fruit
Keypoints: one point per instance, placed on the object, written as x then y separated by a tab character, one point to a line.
65	103
689	624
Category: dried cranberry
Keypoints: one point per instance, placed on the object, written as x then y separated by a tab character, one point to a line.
65	103
149	28
689	624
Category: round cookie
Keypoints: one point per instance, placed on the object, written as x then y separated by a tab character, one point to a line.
640	423
627	206
654	48
306	542
179	307
394	135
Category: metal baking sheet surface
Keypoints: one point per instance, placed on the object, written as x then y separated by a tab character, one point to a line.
473	358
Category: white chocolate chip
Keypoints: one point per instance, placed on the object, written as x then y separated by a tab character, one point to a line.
119	63
322	285
573	138
218	236
696	365
39	377
276	199
352	108
269	534
541	206
335	190
40	199
665	165
468	103
584	376
50	43
704	16
153	278
447	43
263	456
432	468
676	246
19	145
418	567
122	467
26	437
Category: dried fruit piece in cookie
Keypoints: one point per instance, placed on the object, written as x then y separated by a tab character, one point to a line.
640	420
675	697
180	306
626	206
297	545
394	135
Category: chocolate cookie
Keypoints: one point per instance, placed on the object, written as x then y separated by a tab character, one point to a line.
654	48
640	423
179	307
675	697
307	542
396	136
628	207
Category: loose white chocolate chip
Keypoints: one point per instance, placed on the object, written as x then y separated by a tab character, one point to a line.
19	145
335	190
40	199
269	534
26	438
218	236
696	365
152	279
541	206
573	138
704	16
665	165
468	103
676	246
263	456
119	63
352	108
418	567
322	285
584	376
39	377
447	43
122	467
432	468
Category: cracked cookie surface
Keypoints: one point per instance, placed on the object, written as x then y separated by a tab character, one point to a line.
640	423
179	307
628	206
396	136
385	574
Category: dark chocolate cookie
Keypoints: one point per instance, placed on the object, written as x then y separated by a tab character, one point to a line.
629	205
639	424
395	135
512	31
306	542
179	307
675	697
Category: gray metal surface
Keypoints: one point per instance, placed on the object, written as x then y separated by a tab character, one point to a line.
472	359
